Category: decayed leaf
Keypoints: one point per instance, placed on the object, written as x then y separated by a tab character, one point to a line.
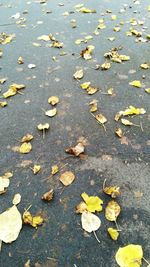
54	170
13	89
51	112
112	211
27	138
48	195
76	150
129	256
113	191
53	100
114	234
25	148
93	203
106	66
78	74
81	207
119	132
4	183
67	178
136	83
34	221
3	104
16	199
87	52
36	168
90	222
10	224
144	66
101	118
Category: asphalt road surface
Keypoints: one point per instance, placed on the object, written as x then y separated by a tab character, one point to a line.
61	241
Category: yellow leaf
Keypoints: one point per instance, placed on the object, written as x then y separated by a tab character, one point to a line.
93	202
112	211
136	83
54	170
43	126
113	17
106	66
126	122
131	110
101	118
79	41
116	29
3	104
3	80
101	26
10	92
129	256
34	221
85	85
124	57
51	112
119	132
8	38
147	90
53	100
36	169
27	138
67	178
87	10
78	74
113	233
144	66
91	90
20	60
25	148
113	191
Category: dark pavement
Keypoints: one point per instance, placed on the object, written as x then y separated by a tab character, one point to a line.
60	241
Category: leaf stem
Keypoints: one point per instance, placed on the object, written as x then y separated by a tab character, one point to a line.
96	237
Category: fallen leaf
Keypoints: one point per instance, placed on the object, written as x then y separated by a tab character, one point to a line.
54	170
87	10
119	132
93	106
87	52
67	178
27	138
20	60
129	256
44	38
3	104
144	66
3	80
7	175
106	66
85	85
31	66
101	118
76	150
48	195
43	126
147	90
113	191
51	112
93	203
131	110
136	83
34	221
81	207
78	74
13	89
36	169
112	211
126	122
4	183
90	222
16	199
114	234
53	100
10	224
91	90
25	148
6	38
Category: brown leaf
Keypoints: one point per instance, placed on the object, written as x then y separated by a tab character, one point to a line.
76	150
48	195
67	178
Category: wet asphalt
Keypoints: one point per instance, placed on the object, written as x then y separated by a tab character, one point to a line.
60	241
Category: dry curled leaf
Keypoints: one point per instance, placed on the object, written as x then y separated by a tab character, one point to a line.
13	90
27	138
90	222
25	148
129	256
48	195
76	150
16	199
113	191
112	211
20	60
81	207
113	233
147	90
78	74
119	132
93	203
10	224
67	178
91	90
34	221
53	100
87	52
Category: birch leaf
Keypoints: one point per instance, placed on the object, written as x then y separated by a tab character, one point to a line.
131	110
3	104
87	10
51	112
53	100
34	221
25	148
27	138
129	256
101	118
90	222
4	183
78	74
126	122
36	169
10	224
136	83
93	203
114	234
119	132
147	90
42	127
113	191
54	169
67	178
16	199
144	66
112	211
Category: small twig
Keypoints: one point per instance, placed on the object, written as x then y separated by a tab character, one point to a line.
53	259
96	237
146	261
7	24
117	226
43	133
141	127
104	183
